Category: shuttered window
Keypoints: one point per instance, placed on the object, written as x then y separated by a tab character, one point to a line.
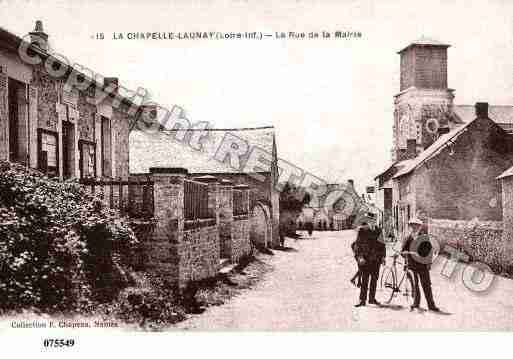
48	152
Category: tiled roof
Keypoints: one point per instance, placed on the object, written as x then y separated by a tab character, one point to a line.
426	42
501	115
398	165
161	149
507	173
432	150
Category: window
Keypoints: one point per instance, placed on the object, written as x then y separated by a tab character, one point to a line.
87	159
48	152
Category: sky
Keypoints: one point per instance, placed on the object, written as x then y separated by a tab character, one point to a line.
330	101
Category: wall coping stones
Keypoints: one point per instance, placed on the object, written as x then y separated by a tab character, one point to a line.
464	224
206	179
168	171
225	182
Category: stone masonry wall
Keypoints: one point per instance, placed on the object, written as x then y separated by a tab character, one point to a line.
225	218
120	128
482	241
507	217
164	249
48	96
461	184
198	254
240	244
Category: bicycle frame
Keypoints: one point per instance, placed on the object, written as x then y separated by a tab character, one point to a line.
397	285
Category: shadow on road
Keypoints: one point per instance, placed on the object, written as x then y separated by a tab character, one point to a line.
398	307
286	249
394	307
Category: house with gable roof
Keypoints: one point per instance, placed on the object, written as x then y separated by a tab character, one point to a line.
445	156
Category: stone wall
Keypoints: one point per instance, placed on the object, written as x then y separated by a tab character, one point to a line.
120	129
49	112
225	218
198	255
177	255
460	182
482	241
164	249
507	217
240	244
48	97
180	251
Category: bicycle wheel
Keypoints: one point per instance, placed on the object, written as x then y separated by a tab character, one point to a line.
388	284
408	290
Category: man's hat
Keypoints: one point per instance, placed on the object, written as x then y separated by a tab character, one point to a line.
415	220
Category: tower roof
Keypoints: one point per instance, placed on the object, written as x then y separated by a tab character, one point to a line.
425	41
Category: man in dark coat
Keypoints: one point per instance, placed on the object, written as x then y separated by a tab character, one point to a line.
419	256
369	252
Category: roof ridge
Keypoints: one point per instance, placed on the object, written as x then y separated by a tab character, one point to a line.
490	105
221	129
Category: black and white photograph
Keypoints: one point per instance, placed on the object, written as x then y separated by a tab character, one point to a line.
172	167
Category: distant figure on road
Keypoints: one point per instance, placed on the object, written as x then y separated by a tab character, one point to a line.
369	253
420	262
309	227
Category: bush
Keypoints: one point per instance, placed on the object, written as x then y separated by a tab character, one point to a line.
150	303
60	248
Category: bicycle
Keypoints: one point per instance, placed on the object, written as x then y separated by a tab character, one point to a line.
391	286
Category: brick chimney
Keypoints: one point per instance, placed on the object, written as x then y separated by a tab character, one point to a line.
482	109
149	113
111	81
38	37
350	183
443	130
411	149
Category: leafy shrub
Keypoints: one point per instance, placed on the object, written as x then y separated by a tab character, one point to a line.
60	247
150	303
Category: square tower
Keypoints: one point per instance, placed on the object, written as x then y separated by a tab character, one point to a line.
423	107
424	65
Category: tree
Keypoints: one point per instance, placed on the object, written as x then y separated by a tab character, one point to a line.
292	201
293	198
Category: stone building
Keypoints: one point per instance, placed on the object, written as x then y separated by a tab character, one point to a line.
426	125
455	178
244	156
49	124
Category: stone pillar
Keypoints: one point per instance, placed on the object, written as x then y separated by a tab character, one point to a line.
33	108
241	242
245	195
165	249
61	117
225	217
213	206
